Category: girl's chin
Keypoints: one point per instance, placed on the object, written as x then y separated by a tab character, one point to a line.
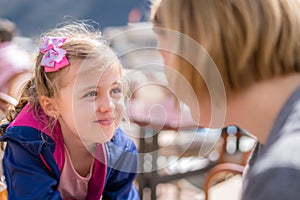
92	141
99	136
108	137
108	133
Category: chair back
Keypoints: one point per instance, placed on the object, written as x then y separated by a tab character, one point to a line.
5	101
235	147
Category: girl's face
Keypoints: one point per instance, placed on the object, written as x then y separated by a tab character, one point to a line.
91	104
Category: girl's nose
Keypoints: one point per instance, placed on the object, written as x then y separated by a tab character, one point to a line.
106	104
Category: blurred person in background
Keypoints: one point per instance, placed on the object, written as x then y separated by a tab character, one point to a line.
15	62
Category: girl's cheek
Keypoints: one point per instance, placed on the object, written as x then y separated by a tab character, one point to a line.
120	107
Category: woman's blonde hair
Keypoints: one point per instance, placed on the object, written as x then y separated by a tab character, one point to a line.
248	40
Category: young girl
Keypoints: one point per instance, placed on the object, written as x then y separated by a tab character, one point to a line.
63	141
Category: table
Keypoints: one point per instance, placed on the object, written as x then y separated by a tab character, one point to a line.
152	123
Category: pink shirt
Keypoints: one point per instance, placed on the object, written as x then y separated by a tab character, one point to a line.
72	185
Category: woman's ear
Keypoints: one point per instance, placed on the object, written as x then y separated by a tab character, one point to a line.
49	106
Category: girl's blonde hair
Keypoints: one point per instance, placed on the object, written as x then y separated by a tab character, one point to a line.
83	41
248	40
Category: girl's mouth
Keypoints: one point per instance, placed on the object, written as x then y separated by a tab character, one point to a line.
106	122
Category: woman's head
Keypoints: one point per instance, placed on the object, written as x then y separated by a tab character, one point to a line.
248	40
226	44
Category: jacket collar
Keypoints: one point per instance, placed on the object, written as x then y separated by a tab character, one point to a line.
28	118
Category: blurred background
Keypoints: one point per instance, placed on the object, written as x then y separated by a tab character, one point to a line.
34	17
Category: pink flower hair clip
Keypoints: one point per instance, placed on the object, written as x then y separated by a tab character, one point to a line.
54	57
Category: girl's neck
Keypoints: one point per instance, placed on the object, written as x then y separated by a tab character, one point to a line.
81	155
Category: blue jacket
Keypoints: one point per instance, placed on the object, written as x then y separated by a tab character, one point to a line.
34	158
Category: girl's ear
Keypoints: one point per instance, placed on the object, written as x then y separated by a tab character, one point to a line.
49	106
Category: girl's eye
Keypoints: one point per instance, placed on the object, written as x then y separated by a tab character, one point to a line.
116	91
91	94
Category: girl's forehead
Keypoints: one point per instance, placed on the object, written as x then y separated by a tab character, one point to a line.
95	67
89	71
93	72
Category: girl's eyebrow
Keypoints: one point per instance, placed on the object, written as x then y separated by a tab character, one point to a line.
84	88
118	82
89	87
